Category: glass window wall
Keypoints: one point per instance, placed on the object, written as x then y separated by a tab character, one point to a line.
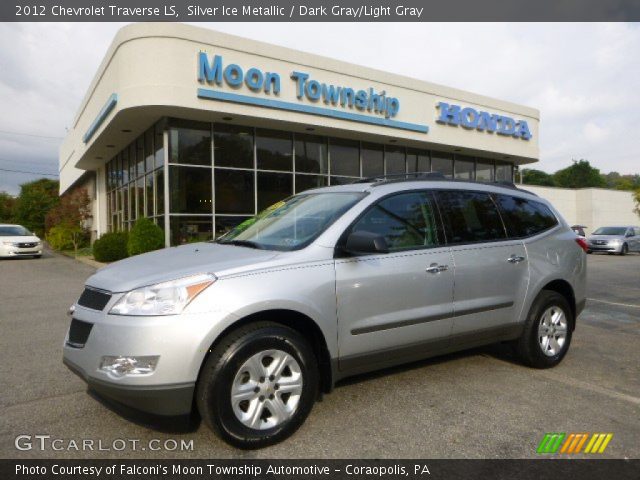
464	167
248	169
395	160
233	146
311	154
443	163
190	190
372	160
190	143
344	156
274	150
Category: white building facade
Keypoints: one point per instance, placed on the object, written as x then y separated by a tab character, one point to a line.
200	130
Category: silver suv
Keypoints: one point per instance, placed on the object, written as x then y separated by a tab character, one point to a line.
332	282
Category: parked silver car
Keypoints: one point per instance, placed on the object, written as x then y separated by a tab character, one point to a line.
620	240
332	282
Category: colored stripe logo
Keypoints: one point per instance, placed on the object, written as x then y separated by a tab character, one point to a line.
574	442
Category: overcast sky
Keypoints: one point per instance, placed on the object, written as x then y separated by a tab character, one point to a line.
584	78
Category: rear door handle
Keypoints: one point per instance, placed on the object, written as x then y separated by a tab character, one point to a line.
435	268
515	259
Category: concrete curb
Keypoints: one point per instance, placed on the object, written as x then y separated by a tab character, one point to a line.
83	259
90	261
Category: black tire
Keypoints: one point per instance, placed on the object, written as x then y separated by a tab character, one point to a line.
37	256
624	250
213	391
528	346
588	252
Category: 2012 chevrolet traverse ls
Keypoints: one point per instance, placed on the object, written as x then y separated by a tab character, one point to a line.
332	282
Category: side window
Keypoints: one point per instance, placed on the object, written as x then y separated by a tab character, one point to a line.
525	218
636	231
405	220
470	217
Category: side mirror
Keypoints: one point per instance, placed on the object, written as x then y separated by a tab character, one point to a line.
629	234
366	243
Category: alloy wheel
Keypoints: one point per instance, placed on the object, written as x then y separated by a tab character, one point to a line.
552	331
266	389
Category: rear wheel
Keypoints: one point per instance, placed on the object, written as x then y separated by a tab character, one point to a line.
547	333
258	385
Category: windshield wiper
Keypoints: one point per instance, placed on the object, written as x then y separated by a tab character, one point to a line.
242	243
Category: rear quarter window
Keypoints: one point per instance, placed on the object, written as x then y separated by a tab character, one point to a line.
525	218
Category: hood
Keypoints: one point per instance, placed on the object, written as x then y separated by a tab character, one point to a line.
20	238
171	263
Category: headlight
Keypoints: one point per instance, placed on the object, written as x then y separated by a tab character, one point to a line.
615	241
10	244
167	298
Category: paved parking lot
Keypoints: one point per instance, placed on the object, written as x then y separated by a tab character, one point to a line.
478	404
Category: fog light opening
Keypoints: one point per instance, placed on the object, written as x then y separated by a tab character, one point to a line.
120	366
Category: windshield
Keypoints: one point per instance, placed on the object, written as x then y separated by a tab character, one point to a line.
14	231
292	223
610	231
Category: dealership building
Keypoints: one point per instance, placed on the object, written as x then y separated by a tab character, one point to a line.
200	130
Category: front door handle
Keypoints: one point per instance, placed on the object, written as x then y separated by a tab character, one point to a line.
435	268
515	259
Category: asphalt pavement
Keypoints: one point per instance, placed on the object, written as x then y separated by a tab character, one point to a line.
476	404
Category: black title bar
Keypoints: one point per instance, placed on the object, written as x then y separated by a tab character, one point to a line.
317	10
318	469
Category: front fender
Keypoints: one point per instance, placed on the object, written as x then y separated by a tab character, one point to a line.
308	290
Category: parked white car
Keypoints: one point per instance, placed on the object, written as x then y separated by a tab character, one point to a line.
17	241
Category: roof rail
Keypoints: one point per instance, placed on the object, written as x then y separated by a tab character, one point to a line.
409	176
433	176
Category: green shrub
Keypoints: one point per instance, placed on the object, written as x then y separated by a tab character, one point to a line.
59	238
111	247
145	236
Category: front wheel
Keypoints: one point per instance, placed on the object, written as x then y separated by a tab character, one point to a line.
547	333
258	385
624	250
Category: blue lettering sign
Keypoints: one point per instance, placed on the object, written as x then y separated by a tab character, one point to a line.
368	100
214	72
472	119
300	78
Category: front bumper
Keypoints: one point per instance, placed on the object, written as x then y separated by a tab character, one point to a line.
11	251
166	400
605	248
180	341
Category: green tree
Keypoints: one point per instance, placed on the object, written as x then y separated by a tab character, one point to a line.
636	197
7	207
579	175
69	218
34	202
531	176
612	179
